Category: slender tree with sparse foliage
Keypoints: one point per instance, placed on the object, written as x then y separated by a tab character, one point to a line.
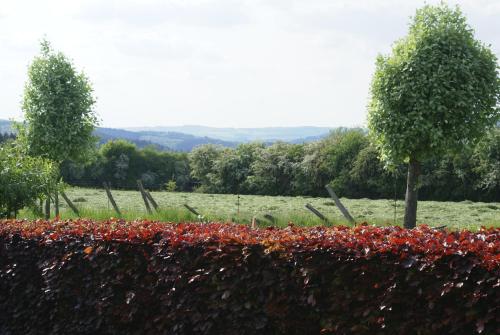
437	91
58	109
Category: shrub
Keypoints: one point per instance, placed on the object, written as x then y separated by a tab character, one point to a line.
171	186
146	277
23	180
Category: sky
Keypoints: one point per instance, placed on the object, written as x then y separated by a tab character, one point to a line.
222	63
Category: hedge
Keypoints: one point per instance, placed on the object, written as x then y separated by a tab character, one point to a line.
115	277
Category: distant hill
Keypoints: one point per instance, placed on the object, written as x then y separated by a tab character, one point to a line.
181	140
308	139
162	140
108	134
5	127
267	134
185	138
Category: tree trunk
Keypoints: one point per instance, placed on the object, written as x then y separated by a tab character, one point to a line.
47	208
56	203
410	220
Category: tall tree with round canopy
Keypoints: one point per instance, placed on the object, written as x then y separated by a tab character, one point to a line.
438	90
58	109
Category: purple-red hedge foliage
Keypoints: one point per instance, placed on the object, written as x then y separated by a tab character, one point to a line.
115	277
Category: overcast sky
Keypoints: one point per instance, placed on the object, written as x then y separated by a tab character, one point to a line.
217	62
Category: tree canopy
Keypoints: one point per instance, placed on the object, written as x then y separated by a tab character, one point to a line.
58	108
438	90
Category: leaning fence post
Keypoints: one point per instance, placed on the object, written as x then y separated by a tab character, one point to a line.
70	204
317	213
110	197
253	225
191	209
152	200
344	210
255	222
144	196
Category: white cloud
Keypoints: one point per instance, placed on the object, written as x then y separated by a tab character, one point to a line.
220	14
222	63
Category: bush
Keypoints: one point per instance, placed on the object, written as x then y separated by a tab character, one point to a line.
171	186
154	278
23	180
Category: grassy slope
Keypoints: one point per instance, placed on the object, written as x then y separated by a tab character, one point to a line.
223	207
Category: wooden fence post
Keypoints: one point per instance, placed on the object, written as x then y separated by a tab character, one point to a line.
70	204
238	204
56	203
144	196
317	213
152	200
191	209
110	197
47	208
344	210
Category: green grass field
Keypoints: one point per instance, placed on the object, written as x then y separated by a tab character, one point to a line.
94	204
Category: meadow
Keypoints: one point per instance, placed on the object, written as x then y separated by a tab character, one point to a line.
94	204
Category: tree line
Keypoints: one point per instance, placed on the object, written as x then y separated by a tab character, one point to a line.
345	159
121	163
